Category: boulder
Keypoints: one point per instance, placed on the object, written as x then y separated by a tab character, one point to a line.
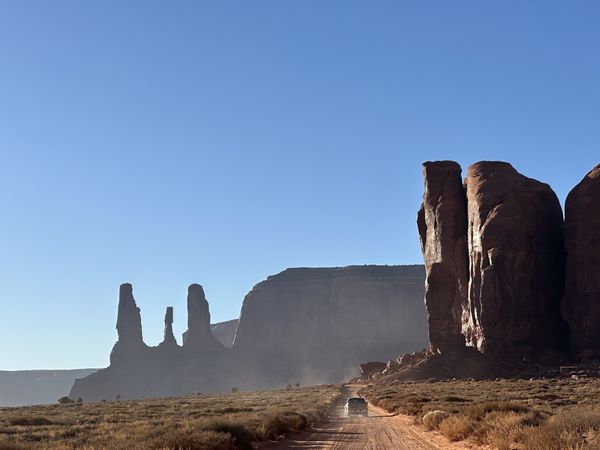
516	261
581	305
442	223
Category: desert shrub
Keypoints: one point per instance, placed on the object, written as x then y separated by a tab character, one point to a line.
65	400
479	410
432	419
242	436
454	399
281	423
8	445
575	430
190	439
457	427
30	421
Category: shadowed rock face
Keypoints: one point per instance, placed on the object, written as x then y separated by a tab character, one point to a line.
169	339
515	239
129	327
442	222
581	306
198	337
302	325
319	324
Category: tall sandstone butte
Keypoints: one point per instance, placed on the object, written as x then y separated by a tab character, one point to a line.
198	337
581	305
516	252
129	327
442	222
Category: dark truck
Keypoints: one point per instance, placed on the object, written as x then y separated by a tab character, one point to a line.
356	406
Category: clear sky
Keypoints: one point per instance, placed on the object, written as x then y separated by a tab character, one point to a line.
217	142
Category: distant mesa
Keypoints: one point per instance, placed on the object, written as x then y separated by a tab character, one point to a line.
305	325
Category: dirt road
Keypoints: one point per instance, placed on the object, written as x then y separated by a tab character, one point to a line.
378	431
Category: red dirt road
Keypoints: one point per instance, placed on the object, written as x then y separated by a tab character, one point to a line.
379	431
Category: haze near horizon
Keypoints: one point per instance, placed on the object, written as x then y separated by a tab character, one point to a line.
219	143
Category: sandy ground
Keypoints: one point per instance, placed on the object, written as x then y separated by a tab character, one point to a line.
378	431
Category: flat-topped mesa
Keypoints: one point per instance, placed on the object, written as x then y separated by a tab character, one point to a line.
169	337
515	238
198	336
581	304
129	326
442	223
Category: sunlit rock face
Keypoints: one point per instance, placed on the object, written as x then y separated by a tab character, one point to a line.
319	324
516	262
442	223
581	305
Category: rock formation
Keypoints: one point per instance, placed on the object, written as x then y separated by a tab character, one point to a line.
512	261
442	223
198	337
129	327
302	325
169	337
581	305
516	261
367	370
318	325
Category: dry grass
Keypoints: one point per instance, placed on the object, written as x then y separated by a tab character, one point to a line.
553	414
219	421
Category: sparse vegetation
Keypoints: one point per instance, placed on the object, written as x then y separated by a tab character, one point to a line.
215	421
541	414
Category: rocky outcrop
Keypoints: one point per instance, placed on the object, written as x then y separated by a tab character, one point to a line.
367	370
225	331
130	343
303	326
581	305
442	223
169	337
318	325
516	261
198	337
494	259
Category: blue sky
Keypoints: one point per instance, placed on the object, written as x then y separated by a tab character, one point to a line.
165	143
